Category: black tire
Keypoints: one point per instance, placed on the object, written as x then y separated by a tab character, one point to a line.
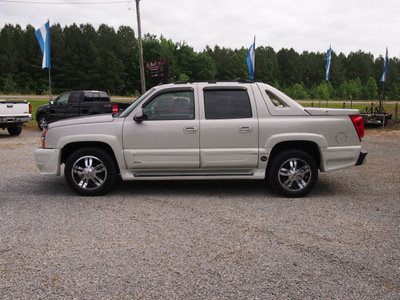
43	121
90	172
14	130
292	173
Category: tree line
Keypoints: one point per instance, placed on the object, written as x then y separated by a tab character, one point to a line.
108	59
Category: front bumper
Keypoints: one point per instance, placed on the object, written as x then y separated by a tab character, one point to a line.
362	158
48	161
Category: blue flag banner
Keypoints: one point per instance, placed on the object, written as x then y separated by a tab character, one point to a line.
385	67
328	63
43	37
251	57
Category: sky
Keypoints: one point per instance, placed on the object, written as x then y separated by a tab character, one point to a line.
304	25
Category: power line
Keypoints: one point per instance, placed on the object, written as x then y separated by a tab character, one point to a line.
68	3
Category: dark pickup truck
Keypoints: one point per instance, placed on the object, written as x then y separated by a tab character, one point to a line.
77	103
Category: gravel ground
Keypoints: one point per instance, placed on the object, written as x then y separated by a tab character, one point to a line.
201	239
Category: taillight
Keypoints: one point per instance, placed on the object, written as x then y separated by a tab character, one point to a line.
358	123
115	109
43	138
30	108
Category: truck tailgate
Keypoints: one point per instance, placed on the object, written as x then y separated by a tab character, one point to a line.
13	108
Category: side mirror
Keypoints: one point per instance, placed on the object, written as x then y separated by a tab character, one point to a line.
140	116
51	102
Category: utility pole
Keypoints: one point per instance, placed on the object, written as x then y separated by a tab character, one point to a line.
142	79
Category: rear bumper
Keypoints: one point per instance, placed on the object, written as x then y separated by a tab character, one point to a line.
362	158
14	120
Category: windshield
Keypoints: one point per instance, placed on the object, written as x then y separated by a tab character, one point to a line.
127	111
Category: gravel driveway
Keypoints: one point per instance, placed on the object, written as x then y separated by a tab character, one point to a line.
201	239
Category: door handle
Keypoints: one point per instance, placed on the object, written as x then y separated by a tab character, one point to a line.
190	130
246	129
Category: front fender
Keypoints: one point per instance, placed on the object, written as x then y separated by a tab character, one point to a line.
110	140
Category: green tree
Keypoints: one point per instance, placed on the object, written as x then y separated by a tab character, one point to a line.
204	67
9	85
370	90
311	68
298	92
360	65
267	68
351	89
289	67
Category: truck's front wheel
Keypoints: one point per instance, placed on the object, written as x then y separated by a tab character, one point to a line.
90	172
292	173
43	121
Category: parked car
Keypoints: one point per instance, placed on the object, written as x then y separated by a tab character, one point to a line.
13	115
78	103
235	130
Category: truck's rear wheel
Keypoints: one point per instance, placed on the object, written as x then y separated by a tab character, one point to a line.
14	130
90	172
292	173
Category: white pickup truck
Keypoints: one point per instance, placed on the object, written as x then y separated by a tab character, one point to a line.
205	130
13	114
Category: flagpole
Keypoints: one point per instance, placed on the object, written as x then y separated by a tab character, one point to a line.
254	64
382	95
141	64
327	93
50	93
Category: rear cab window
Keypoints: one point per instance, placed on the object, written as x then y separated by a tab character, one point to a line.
96	97
226	103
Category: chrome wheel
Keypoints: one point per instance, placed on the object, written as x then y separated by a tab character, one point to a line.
294	174
89	172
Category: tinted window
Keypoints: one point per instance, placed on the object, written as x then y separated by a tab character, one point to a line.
96	97
88	97
278	102
74	97
63	98
104	97
227	104
171	106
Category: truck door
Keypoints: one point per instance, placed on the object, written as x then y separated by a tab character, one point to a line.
228	129
58	107
74	103
168	138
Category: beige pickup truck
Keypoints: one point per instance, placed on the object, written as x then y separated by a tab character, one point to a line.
205	130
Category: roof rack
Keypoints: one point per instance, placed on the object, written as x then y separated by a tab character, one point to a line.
240	80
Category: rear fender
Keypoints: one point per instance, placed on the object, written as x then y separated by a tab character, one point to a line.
313	144
288	137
